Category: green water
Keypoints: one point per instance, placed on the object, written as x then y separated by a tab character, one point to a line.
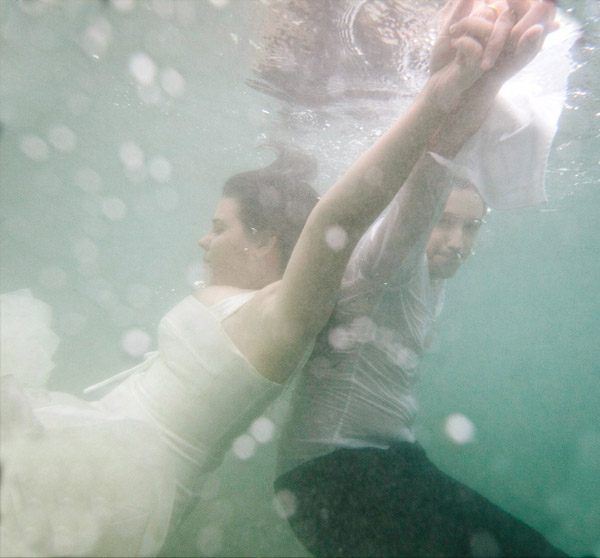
106	184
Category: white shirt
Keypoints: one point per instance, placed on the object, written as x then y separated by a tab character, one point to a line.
357	389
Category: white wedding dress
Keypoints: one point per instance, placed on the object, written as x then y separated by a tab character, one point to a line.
114	476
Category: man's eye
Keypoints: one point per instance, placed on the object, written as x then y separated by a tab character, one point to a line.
474	225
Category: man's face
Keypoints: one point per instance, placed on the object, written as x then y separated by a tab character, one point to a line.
452	239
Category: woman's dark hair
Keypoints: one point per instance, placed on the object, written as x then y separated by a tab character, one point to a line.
278	198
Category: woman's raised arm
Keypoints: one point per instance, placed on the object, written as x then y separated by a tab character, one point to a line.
307	292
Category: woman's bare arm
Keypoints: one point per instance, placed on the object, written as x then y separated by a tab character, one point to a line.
304	298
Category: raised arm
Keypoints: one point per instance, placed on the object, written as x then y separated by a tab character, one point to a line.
307	291
405	226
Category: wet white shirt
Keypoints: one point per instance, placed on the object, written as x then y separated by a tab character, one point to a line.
357	389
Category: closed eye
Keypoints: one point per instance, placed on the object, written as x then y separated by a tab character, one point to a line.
218	226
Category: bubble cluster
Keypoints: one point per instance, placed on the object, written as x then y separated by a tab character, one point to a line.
341	339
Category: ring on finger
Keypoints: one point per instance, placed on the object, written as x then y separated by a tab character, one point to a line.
494	7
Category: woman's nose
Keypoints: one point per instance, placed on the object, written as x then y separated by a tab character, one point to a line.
204	242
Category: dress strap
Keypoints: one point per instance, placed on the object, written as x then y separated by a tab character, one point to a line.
226	307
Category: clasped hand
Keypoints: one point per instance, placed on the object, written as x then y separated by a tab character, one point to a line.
489	41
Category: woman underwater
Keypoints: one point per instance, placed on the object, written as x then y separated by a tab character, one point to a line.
114	476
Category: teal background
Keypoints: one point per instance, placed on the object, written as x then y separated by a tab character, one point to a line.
517	347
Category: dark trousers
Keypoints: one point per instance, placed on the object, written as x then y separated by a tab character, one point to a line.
395	502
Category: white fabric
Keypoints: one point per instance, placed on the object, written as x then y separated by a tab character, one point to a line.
357	388
27	341
507	157
108	478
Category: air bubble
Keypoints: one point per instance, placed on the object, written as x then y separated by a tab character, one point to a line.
262	429
123	6
142	68
131	155
62	138
172	82
34	147
97	38
460	429
336	238
219	3
114	208
340	339
160	169
364	329
244	446
285	504
135	342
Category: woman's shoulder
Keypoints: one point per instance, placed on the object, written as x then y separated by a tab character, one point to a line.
215	294
211	295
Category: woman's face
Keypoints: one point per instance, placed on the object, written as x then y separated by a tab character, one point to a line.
227	246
